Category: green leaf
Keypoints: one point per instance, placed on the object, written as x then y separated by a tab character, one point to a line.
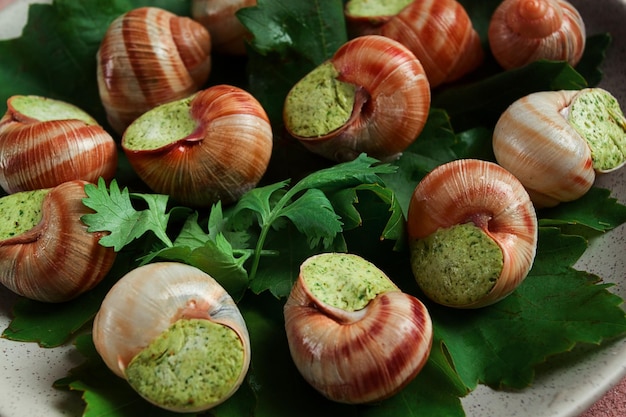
115	213
554	309
216	258
362	170
314	216
595	210
277	273
289	39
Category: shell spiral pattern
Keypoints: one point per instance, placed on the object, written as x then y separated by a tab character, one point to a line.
524	31
148	57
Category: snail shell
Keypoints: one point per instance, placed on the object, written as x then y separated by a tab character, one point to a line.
151	301
149	56
224	152
541	139
46	142
390	106
228	35
524	31
350	355
441	35
57	259
484	195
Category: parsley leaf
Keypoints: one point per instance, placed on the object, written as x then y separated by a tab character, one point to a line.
116	214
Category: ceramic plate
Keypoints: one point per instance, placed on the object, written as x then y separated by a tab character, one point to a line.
563	388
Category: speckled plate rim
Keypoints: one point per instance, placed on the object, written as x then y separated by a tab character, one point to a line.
565	387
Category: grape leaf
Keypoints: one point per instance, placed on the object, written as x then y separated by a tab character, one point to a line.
554	309
288	40
595	210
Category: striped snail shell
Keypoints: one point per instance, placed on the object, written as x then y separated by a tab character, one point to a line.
441	35
213	145
175	335
556	142
149	56
372	96
353	335
46	142
524	31
473	233
46	252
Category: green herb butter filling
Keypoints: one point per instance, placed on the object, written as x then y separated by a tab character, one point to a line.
160	126
598	118
194	363
344	281
46	109
319	103
372	8
456	266
20	212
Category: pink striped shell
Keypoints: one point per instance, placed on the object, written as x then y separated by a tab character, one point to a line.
360	356
58	259
148	57
37	154
441	35
523	31
225	155
391	105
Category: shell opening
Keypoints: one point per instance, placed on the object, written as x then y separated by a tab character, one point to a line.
458	265
319	103
192	366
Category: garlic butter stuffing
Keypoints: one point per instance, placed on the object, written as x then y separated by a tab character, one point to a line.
352	334
175	335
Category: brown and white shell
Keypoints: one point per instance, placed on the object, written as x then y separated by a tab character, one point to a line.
150	56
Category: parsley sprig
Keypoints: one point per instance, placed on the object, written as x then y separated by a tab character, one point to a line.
227	234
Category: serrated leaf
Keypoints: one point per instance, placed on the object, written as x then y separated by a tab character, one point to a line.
554	309
362	170
259	203
596	210
314	216
114	213
216	258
